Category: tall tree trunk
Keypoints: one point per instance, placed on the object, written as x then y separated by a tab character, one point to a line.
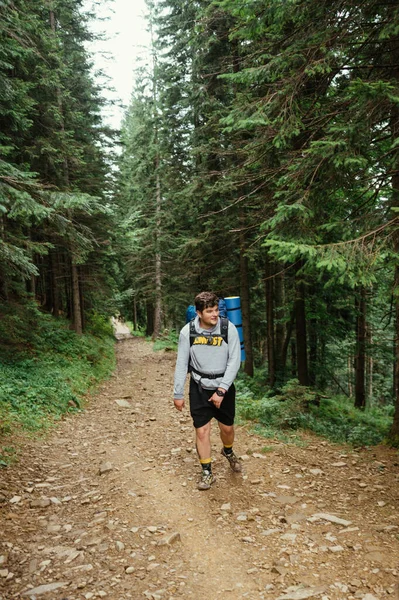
77	311
350	363
134	313
313	343
271	357
369	364
158	261
294	360
301	337
245	305
3	283
55	290
394	433
360	356
150	318
287	341
280	329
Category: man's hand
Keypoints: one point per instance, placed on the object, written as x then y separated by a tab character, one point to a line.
216	400
179	403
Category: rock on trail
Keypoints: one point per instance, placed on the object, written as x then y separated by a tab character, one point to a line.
106	506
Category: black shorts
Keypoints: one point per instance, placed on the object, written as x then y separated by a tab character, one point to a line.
202	411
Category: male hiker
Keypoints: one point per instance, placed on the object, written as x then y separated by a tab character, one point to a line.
209	348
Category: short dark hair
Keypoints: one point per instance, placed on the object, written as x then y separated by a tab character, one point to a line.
205	300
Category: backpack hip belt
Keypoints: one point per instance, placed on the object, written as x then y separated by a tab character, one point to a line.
206	375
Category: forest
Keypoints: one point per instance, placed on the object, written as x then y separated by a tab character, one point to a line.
259	157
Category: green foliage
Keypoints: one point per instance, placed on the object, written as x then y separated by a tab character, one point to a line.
168	341
297	407
49	374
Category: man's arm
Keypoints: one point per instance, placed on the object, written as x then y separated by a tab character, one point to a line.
181	369
234	358
232	367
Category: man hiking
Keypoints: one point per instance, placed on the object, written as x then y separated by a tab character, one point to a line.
209	349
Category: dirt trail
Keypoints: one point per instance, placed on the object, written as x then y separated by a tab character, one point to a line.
141	529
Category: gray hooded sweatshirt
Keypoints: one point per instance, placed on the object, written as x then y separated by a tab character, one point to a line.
208	358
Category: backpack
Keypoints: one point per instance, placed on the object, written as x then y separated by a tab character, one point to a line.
222	308
224	327
191	313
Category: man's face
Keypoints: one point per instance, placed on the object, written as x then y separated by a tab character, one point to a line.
209	316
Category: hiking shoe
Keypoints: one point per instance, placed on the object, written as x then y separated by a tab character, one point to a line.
234	461
206	481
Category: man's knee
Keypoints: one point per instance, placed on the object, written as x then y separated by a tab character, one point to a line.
227	429
203	432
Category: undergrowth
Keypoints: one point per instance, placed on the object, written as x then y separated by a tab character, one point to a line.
50	373
283	414
168	341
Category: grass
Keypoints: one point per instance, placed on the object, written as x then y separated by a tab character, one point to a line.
283	415
167	341
50	375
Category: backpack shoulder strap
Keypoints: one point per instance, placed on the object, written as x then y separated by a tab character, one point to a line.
224	329
193	332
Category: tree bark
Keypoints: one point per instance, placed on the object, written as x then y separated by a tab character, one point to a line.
150	319
313	343
245	306
301	337
158	261
55	290
394	433
280	328
134	313
77	314
270	342
360	356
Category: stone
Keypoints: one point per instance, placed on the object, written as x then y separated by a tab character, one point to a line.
152	529
123	403
15	499
226	506
40	503
105	467
170	539
129	570
316	472
279	570
336	549
267	532
302	592
44	589
330	518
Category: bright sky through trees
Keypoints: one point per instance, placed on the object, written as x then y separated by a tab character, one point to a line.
123	26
